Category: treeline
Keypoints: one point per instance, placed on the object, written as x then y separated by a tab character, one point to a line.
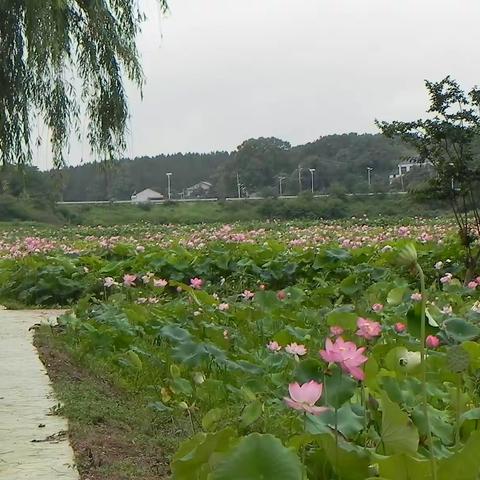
340	164
340	161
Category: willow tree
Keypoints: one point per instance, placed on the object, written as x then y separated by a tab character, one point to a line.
60	60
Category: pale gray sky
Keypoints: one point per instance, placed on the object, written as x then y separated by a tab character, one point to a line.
221	71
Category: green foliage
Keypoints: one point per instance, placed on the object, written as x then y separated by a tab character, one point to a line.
340	162
45	43
449	141
258	457
209	370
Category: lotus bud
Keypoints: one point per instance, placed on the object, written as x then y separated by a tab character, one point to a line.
198	378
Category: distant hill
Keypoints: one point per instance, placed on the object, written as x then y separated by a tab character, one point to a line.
340	161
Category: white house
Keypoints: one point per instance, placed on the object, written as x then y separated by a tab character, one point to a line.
199	189
405	167
147	195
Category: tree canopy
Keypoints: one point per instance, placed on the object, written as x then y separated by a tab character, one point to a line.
449	140
60	59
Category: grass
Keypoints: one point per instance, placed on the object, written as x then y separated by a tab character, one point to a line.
115	436
226	212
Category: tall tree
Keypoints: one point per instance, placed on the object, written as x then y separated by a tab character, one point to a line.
47	48
449	140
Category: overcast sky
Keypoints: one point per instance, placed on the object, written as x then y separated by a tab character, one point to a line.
221	71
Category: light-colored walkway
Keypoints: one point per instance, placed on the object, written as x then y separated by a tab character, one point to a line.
33	444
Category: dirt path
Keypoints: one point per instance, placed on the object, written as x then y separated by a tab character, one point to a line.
33	443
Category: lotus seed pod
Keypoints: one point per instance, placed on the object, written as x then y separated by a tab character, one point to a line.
458	360
408	255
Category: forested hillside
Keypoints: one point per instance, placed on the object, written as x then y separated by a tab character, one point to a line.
339	161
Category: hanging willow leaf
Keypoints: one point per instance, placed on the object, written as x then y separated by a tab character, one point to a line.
56	55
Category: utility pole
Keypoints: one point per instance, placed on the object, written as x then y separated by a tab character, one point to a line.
239	191
369	175
312	173
280	180
299	178
169	174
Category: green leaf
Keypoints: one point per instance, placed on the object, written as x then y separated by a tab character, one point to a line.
159	407
310	369
350	461
398	433
338	388
259	457
473	414
473	350
212	417
350	285
460	330
439	423
194	458
395	295
251	413
349	423
403	467
342	318
464	464
182	385
134	360
175	333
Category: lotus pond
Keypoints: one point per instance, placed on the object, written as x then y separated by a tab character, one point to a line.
337	351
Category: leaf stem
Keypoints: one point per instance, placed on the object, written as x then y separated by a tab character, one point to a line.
457	411
433	464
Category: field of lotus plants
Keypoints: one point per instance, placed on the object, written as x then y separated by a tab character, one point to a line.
280	351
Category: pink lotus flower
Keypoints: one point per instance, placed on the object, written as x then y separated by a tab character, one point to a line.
274	346
447	278
129	280
336	330
416	297
160	283
247	294
368	329
281	295
196	283
347	355
432	341
377	307
295	349
303	397
109	282
223	307
400	327
472	285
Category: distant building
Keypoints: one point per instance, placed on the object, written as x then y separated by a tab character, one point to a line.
407	165
200	189
147	195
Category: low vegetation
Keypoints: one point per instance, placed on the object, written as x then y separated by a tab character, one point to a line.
333	351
